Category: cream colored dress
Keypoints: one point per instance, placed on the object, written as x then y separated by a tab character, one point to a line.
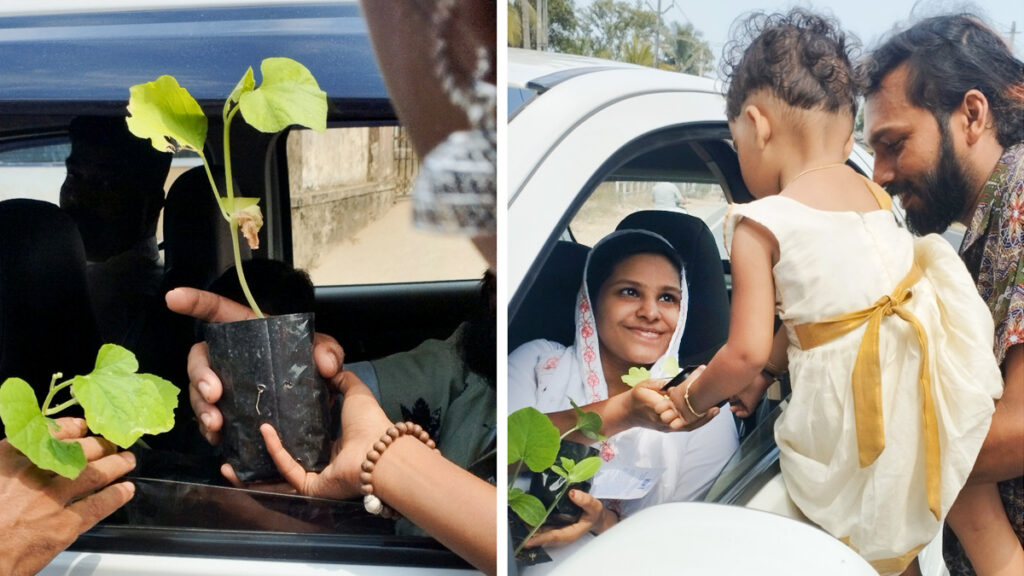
833	263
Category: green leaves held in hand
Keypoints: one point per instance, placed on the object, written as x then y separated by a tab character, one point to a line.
636	375
288	95
532	438
121	405
527	506
576	472
29	431
167	115
118	404
588	423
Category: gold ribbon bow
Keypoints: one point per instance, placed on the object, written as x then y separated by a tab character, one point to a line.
867	378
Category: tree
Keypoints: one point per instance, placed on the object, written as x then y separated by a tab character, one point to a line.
639	52
688	51
607	27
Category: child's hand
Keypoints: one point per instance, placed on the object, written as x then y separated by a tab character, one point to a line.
686	419
745	402
595	519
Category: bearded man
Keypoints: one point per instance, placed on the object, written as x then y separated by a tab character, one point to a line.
944	114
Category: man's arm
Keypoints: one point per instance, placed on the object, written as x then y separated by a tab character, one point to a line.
1002	455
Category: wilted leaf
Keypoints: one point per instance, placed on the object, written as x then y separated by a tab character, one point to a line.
167	115
121	405
527	507
29	431
532	438
670	367
288	95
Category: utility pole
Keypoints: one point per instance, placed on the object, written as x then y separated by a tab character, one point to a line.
542	25
657	29
524	19
1013	32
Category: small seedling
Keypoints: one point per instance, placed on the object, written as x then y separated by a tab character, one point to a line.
167	115
533	440
119	405
670	367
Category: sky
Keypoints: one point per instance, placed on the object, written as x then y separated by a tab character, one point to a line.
867	19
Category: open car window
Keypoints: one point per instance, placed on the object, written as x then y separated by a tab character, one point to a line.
351	212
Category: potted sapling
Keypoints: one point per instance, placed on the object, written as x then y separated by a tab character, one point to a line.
119	404
556	465
265	364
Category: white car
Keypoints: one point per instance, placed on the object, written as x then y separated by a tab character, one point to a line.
587	141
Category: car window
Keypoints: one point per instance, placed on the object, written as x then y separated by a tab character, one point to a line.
351	211
613	200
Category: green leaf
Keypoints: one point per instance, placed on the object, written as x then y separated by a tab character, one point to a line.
560	471
527	507
584	469
167	115
588	423
121	405
568	463
29	431
288	95
532	438
670	367
245	84
636	375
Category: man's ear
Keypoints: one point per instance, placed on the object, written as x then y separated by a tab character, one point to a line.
977	116
762	127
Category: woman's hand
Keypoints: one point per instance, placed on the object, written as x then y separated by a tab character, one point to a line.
686	419
595	518
362	421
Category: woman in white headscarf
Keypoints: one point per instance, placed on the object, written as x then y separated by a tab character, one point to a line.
630	312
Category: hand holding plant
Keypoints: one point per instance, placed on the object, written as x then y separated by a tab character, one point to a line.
534	441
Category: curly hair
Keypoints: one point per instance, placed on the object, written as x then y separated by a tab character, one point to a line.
803	58
947	56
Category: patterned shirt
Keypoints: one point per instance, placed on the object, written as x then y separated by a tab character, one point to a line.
993	250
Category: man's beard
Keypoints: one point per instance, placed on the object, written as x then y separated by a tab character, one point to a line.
939	194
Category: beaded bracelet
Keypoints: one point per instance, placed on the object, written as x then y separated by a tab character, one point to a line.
373	504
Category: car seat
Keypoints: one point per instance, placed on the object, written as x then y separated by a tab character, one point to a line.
46	319
548	309
707	316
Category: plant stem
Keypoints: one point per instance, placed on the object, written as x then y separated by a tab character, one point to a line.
229	185
546	514
57	409
54	388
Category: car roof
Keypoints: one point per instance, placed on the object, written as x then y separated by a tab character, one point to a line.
544	70
85	62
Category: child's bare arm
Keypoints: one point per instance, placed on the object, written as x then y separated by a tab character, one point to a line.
750	343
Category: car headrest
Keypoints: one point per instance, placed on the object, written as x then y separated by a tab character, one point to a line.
197	240
548	310
707	317
46	319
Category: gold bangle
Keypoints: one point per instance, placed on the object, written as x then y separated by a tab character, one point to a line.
686	397
371	502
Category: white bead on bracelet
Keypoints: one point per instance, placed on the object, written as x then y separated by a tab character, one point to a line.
371	502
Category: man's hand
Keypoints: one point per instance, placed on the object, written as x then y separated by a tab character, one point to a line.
42	513
204	387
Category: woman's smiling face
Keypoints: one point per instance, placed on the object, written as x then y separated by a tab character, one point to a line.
637	310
